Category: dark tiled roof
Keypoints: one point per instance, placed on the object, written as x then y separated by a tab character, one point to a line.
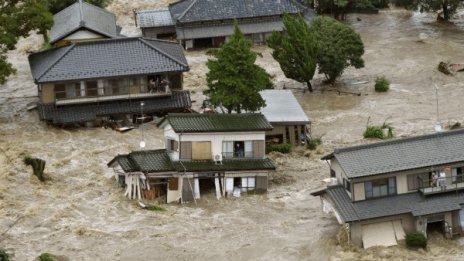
147	161
401	154
204	10
178	101
190	123
94	18
107	58
413	203
227	165
151	161
154	18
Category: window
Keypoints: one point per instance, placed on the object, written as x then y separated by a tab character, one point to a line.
73	89
172	145
332	173
91	88
347	185
60	91
237	149
413	182
380	187
456	174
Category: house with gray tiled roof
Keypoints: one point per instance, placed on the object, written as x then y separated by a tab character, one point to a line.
82	21
205	23
383	190
108	79
219	153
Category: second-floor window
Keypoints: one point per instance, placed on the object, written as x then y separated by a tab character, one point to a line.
380	187
347	185
237	149
172	145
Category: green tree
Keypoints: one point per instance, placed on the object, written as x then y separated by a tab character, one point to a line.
18	18
234	80
57	5
295	50
448	7
339	46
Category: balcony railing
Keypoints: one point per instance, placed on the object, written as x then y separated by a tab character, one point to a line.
109	94
237	155
441	184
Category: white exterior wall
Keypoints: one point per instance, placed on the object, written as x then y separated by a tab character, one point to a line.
83	34
216	138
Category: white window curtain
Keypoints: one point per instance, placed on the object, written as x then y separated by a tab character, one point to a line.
227	149
248	149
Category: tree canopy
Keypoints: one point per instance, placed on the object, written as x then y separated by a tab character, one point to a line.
234	80
57	5
339	46
295	50
18	18
448	7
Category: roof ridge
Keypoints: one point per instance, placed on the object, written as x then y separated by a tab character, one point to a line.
153	10
71	46
163	52
186	10
400	140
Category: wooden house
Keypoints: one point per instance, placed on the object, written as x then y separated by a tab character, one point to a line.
205	23
289	121
82	21
383	190
224	153
107	79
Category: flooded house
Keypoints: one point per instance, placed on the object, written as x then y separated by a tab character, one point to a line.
82	21
106	80
222	154
205	23
289	121
383	190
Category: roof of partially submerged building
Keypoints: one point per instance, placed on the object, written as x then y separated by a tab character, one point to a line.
401	154
154	161
93	18
154	18
88	112
282	107
107	58
205	10
409	203
194	123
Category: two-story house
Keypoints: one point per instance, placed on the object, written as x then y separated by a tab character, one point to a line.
224	153
101	80
383	190
206	23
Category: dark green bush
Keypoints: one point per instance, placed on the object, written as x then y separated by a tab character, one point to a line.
416	240
4	255
46	257
365	4
382	84
283	148
373	132
313	143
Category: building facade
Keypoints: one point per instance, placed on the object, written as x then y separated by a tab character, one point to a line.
382	191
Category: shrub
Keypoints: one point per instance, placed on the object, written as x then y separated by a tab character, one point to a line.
156	208
4	255
283	148
313	143
365	4
373	131
382	84
416	240
46	257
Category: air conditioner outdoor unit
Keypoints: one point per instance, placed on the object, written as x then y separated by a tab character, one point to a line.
218	159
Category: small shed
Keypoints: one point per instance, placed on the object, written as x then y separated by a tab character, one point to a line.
290	122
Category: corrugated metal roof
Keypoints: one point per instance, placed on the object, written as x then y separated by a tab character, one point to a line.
282	107
95	18
401	154
107	58
154	18
193	123
412	203
178	101
205	31
206	10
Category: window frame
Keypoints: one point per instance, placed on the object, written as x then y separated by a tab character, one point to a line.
370	187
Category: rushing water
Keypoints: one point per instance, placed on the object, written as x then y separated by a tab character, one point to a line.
82	214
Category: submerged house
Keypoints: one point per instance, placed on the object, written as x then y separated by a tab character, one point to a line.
206	23
289	121
82	22
223	153
383	190
107	79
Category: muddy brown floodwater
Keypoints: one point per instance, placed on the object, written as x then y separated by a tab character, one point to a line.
82	214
